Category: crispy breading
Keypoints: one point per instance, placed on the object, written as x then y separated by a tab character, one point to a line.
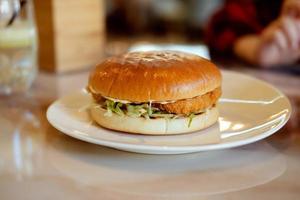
184	106
193	105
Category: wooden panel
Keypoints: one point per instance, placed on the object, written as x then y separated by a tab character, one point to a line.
77	30
44	21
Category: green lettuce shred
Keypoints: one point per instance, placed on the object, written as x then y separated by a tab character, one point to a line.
163	115
113	107
135	110
191	117
139	110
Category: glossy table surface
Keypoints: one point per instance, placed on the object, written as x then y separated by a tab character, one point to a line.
39	162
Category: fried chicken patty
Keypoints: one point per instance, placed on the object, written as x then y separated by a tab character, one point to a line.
193	105
184	106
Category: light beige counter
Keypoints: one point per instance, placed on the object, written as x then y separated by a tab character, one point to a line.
39	162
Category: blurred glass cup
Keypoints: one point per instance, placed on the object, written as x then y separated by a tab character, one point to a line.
18	46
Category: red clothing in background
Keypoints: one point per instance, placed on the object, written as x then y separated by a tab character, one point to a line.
237	18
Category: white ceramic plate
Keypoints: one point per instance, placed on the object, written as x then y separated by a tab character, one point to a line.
250	110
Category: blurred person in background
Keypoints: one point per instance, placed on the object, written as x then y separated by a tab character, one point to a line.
264	33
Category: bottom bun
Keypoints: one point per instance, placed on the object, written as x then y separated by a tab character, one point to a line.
158	126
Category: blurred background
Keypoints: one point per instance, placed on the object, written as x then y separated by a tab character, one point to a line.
72	35
177	20
64	36
138	22
211	28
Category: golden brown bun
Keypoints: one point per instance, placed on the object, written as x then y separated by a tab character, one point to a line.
154	75
159	126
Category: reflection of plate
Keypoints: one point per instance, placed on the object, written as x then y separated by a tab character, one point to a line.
165	177
250	110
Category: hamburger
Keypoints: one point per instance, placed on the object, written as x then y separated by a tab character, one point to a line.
155	92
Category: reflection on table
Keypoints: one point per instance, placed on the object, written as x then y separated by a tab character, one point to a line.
36	160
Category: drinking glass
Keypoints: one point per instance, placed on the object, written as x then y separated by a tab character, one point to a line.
18	46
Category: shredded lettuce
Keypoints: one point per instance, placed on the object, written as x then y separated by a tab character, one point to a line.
113	107
139	110
164	115
135	110
191	117
149	110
